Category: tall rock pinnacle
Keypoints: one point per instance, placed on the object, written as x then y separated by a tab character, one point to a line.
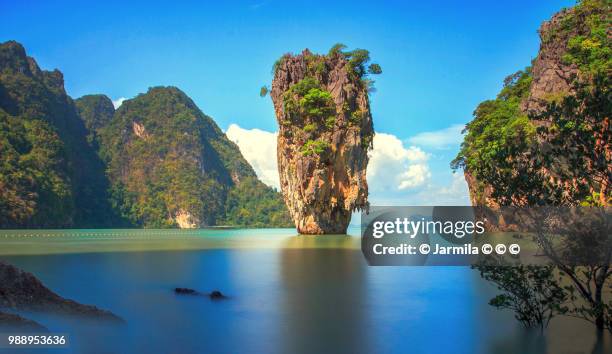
325	131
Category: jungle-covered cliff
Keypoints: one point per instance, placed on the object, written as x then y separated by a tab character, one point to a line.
546	137
169	164
49	174
325	131
157	161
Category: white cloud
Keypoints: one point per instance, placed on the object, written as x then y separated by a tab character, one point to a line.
117	103
394	167
393	171
259	148
454	193
439	139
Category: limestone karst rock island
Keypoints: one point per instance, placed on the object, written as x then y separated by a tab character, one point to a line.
325	131
545	139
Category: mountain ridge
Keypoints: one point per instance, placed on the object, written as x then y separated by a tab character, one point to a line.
78	163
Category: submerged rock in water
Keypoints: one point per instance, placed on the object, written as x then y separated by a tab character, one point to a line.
22	291
213	295
216	295
186	291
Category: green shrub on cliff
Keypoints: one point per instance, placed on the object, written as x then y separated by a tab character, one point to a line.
590	51
314	147
308	100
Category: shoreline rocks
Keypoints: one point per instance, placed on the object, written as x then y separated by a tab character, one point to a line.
22	291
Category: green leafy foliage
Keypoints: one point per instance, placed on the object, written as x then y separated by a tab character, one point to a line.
497	135
263	91
34	185
374	69
336	49
314	147
311	127
531	291
96	111
52	176
308	101
166	157
253	204
589	50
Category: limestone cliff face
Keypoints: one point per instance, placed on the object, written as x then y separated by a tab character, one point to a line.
325	131
553	77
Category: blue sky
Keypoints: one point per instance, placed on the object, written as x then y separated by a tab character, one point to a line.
439	58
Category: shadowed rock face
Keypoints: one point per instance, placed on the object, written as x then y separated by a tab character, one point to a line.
325	131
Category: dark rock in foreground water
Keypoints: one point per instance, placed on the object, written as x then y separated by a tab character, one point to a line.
186	291
22	291
213	295
9	321
217	295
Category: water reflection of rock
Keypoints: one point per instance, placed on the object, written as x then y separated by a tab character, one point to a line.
324	282
563	335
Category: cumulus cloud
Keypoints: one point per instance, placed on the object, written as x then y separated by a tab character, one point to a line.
394	167
439	139
117	103
259	148
454	192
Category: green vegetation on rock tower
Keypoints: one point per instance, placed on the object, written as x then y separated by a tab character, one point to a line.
307	103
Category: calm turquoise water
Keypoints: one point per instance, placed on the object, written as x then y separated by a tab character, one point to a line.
289	294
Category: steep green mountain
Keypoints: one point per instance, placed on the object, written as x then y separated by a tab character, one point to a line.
157	161
170	165
49	174
96	111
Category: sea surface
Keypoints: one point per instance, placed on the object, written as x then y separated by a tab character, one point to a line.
287	294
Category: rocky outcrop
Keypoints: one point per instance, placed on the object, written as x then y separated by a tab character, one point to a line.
552	76
12	322
185	220
562	64
325	130
22	291
479	194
